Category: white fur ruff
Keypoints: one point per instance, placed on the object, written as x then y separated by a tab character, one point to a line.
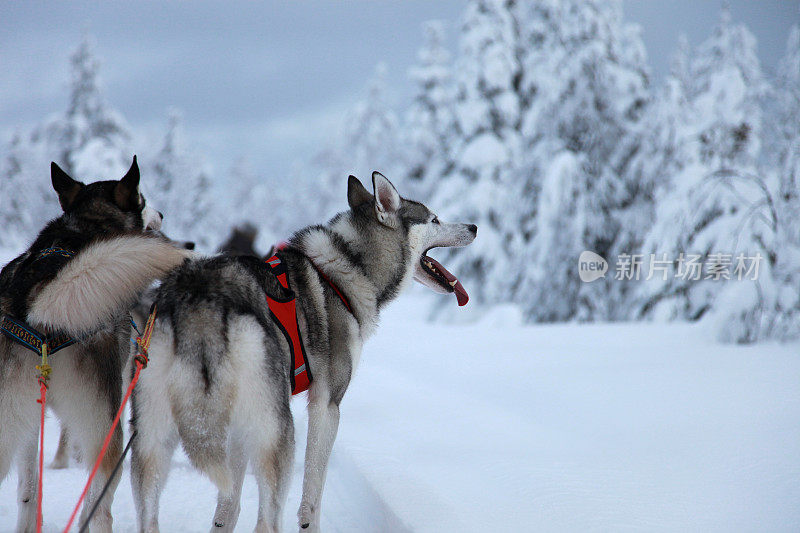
102	280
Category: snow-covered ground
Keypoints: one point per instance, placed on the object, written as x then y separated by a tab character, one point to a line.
500	427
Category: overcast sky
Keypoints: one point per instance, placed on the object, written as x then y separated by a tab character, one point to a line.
270	81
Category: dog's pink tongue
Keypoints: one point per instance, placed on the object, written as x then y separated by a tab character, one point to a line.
461	292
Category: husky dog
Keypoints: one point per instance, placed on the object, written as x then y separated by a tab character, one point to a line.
219	377
79	277
139	314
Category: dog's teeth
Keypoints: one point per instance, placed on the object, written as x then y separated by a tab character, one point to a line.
453	283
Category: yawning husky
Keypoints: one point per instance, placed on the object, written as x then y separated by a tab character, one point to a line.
219	381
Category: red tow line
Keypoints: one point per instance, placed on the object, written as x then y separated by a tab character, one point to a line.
42	400
141	361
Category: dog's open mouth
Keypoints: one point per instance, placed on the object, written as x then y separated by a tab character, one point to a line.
443	278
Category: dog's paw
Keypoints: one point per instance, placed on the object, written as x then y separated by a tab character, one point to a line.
306	517
219	526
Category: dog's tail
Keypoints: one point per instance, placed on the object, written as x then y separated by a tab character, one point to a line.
102	280
202	410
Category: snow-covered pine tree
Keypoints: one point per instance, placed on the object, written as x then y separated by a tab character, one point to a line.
430	120
266	208
368	141
90	141
787	92
561	215
539	27
680	65
20	193
662	154
476	185
94	138
246	192
782	311
711	201
585	87
182	190
371	134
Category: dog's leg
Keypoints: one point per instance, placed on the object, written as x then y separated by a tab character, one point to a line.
9	427
150	463
102	520
156	432
27	467
61	460
86	405
273	467
6	450
155	442
228	505
323	423
19	430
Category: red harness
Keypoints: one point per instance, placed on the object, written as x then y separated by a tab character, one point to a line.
284	313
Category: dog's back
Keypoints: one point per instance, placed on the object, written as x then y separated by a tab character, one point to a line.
217	381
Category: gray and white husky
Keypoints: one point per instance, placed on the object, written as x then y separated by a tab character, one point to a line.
79	277
219	375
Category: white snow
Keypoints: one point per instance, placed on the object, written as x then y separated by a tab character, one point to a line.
495	426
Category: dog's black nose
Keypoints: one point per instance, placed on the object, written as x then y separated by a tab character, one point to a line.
189	245
473	228
161	215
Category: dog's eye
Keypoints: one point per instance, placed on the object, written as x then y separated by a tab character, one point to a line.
435	220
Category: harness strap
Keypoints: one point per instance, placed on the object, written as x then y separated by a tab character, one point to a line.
283	245
30	338
26	335
284	313
341	296
56	251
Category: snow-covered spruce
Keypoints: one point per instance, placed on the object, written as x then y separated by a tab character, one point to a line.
90	139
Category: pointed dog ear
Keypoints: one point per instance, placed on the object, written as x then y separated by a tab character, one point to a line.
387	199
357	194
66	187
126	193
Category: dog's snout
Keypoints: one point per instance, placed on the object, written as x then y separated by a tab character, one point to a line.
161	215
473	228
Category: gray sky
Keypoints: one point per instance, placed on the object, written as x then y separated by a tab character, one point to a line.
271	80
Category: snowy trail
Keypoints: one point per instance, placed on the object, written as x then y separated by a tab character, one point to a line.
188	500
607	427
495	426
